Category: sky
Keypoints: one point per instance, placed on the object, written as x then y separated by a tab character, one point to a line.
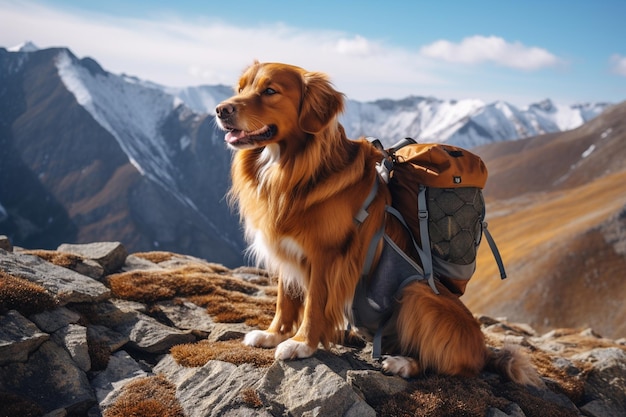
518	51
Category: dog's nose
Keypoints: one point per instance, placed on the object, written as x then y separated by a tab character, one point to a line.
224	110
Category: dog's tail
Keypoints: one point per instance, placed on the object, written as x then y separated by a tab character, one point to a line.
513	364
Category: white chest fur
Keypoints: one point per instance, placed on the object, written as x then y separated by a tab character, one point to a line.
284	257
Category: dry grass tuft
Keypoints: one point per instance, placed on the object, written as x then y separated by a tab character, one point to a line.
155	256
154	285
446	396
152	396
24	296
66	260
234	307
233	351
251	398
572	386
14	405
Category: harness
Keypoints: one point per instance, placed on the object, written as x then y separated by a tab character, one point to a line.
378	291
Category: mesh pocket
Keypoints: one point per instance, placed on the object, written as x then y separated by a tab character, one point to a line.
455	217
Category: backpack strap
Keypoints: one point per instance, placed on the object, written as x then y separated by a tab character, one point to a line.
422	213
359	218
425	257
495	251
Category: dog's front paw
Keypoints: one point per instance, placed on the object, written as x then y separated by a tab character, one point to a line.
292	349
261	338
400	365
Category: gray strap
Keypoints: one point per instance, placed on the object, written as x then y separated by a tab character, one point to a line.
427	260
362	214
371	251
494	250
422	212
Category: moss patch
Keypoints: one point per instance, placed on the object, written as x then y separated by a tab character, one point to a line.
22	295
152	396
233	351
66	260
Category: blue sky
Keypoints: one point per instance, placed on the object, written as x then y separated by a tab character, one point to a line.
517	51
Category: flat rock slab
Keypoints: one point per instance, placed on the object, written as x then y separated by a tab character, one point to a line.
18	337
110	255
64	284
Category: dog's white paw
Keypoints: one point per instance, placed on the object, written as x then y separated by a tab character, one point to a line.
261	338
291	349
400	365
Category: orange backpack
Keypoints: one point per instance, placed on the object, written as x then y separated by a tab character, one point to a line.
437	196
437	191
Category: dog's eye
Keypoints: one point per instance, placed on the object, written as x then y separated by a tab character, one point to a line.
269	91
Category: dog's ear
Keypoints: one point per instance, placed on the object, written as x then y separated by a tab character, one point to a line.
320	102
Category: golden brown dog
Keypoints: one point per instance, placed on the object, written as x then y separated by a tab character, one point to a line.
298	182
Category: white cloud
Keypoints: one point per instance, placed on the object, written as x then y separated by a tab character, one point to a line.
357	45
177	52
618	64
478	49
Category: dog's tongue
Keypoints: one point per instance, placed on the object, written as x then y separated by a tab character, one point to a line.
234	135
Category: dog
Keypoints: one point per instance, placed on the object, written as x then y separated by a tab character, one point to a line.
298	182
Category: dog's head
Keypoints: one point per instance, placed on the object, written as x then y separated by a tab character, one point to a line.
277	103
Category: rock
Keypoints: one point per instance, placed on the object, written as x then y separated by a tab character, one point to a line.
90	268
112	339
18	337
144	332
310	388
187	316
134	263
122	369
51	379
74	339
213	389
110	255
148	335
66	285
604	387
52	320
5	243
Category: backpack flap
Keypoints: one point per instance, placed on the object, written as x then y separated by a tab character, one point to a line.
442	166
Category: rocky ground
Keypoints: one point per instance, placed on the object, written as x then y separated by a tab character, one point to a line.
89	330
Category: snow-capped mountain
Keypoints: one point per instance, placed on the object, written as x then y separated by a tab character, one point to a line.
466	123
86	154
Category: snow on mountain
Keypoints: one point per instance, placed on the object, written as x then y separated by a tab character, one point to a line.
131	112
201	99
465	123
24	47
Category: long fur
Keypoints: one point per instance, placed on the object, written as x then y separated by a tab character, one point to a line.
297	191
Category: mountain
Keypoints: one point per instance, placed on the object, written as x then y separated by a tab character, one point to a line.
556	205
86	154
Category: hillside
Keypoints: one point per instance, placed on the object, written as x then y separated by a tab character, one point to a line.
557	208
89	330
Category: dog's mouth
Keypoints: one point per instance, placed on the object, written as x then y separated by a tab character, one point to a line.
236	137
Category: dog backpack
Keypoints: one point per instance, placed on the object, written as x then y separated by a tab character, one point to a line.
437	196
437	191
